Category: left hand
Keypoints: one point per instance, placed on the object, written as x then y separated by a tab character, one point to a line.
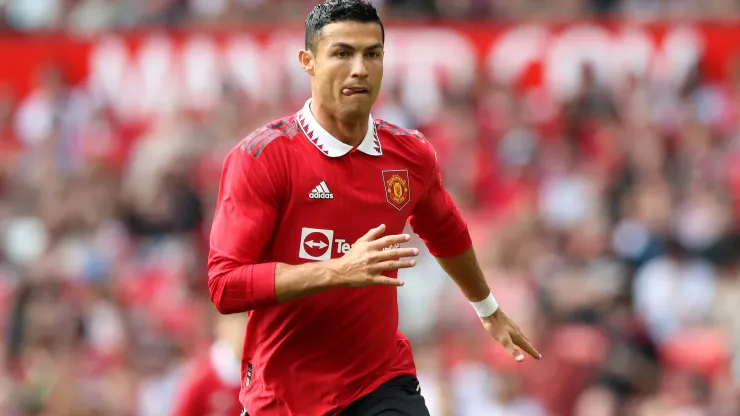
508	334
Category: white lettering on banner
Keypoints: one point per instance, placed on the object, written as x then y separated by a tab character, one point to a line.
283	47
567	53
156	69
200	69
614	55
515	50
682	47
421	60
242	66
635	49
109	69
161	71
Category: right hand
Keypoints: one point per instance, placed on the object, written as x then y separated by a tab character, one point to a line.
365	262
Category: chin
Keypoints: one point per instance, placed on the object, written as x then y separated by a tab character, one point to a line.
356	108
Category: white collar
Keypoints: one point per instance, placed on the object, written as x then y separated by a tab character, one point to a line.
330	145
225	363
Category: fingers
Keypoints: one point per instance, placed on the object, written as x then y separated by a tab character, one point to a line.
522	341
390	265
513	350
390	240
395	253
387	281
373	234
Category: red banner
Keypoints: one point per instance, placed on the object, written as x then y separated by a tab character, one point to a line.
144	71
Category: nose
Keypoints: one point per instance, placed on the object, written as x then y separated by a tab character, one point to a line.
359	70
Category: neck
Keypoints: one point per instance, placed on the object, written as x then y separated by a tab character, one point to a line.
350	130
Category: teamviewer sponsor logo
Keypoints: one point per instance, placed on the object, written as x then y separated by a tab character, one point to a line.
321	192
316	244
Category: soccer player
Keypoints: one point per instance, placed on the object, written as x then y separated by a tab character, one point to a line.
211	386
306	238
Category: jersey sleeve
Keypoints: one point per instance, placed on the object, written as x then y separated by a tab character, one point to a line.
436	218
246	213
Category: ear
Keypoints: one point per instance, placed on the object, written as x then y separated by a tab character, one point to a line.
306	59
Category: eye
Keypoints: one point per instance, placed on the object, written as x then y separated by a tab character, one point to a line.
373	54
342	54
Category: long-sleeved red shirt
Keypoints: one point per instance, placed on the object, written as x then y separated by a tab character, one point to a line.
292	193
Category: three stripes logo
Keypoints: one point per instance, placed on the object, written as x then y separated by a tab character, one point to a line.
321	192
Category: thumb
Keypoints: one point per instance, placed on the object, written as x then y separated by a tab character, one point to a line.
373	234
515	352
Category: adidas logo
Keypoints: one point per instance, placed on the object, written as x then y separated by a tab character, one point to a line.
321	192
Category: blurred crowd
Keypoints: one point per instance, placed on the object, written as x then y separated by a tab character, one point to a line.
606	224
86	16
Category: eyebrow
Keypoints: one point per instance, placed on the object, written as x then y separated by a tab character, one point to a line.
348	46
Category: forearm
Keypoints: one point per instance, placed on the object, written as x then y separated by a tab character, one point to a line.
294	282
255	286
466	272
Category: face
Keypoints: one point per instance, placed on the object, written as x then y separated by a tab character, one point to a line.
347	67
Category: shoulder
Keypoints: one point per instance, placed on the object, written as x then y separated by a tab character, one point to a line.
410	140
273	136
264	155
398	131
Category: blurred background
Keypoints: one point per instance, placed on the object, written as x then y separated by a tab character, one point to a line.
594	147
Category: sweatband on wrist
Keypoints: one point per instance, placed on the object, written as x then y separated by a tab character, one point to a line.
485	307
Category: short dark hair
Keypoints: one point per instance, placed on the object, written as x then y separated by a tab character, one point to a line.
333	11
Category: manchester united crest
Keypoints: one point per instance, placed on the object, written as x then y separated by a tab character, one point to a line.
397	187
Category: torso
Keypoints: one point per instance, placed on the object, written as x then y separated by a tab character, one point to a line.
349	336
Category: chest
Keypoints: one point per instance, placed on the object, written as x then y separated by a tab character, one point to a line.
333	202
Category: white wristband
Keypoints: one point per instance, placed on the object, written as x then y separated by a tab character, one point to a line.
485	307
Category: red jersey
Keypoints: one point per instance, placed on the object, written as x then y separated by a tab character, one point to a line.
212	386
291	192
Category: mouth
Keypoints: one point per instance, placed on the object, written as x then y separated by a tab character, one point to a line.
349	91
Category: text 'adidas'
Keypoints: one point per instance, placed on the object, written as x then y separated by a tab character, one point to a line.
321	192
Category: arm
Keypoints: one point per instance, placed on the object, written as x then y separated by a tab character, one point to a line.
246	214
293	282
270	284
467	274
439	224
